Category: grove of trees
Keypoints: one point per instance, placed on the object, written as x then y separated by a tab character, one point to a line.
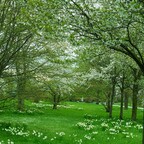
76	50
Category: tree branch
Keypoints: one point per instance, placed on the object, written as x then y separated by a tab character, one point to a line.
133	45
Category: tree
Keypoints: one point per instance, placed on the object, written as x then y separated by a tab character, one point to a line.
135	89
14	34
26	26
114	24
54	77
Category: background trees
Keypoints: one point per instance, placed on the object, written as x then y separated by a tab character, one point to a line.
116	25
35	47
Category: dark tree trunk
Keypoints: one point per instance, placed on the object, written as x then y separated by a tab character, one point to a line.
125	100
112	96
20	93
108	103
113	80
54	102
121	105
97	98
20	106
134	102
36	99
55	106
56	95
136	75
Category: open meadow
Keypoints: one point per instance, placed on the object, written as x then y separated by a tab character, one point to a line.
71	123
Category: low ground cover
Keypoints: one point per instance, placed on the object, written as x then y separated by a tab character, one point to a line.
71	123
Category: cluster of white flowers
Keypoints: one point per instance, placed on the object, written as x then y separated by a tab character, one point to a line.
79	141
2	142
64	106
128	124
104	126
119	126
113	131
89	127
52	139
39	134
86	125
41	104
17	131
81	124
60	134
128	134
36	133
94	132
30	111
7	142
138	126
87	137
112	127
10	141
21	132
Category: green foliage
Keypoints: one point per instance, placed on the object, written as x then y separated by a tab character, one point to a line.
37	59
111	24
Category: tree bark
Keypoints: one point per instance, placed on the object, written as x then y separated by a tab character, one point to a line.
122	95
108	103
113	80
125	100
121	105
20	92
137	75
112	97
134	102
54	102
55	106
20	106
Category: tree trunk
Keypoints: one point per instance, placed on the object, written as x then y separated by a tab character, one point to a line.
21	70
36	99
20	106
122	87
20	93
121	105
54	102
137	75
108	103
113	80
125	100
134	102
55	106
112	99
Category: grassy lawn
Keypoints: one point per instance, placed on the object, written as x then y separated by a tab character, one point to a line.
72	123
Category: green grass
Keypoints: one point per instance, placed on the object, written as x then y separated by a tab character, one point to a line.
73	123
